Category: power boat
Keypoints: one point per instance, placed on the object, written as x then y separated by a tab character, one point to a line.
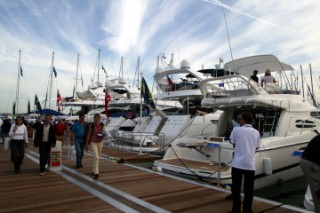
284	119
179	85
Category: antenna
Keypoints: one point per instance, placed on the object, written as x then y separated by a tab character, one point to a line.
225	21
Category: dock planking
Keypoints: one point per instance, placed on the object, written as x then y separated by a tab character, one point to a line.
27	192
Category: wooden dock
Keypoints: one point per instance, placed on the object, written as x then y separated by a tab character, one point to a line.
120	188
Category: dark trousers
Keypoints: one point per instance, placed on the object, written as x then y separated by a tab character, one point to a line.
44	152
237	175
17	153
79	145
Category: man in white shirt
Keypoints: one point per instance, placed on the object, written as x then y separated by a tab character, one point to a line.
246	140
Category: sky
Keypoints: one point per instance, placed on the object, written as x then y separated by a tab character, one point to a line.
201	31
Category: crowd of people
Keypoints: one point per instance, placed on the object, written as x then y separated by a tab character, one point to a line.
46	132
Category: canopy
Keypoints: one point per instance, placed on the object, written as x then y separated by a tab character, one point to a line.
245	66
49	112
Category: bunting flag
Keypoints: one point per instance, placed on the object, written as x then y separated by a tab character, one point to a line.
37	103
146	94
14	108
21	72
29	111
106	102
171	84
105	72
54	72
58	100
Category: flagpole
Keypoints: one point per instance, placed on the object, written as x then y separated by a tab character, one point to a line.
18	83
140	120
51	72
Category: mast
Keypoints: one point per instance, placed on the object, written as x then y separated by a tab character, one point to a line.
302	81
311	79
50	87
98	82
77	75
18	83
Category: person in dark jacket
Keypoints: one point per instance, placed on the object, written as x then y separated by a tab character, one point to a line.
45	139
310	165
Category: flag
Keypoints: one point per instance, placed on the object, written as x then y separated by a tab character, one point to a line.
146	95
14	108
171	84
58	100
81	81
105	72
29	111
54	72
106	102
37	103
221	84
21	72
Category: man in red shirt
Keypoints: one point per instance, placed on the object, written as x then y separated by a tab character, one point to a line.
60	128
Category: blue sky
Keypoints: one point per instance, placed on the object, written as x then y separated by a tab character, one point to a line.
190	29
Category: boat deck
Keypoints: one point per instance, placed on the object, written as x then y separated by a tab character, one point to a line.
120	188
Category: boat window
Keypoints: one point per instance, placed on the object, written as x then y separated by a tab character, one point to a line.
315	114
305	124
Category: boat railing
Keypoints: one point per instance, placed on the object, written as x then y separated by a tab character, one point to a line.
143	139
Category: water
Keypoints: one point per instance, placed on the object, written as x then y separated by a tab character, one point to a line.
290	192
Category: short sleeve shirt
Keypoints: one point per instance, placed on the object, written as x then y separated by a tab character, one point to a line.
246	140
78	129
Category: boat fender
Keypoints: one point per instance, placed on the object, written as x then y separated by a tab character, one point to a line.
267	164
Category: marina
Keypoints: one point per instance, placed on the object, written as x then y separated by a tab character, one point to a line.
122	187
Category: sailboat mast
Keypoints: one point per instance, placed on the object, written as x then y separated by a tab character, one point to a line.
18	83
51	73
77	76
98	82
311	79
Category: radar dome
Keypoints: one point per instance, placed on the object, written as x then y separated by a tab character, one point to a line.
185	64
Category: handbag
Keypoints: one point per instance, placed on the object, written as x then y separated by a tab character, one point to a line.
6	144
71	153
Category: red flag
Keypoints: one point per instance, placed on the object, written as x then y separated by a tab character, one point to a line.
106	102
170	82
58	100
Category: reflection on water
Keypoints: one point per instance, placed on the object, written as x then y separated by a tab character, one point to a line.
290	192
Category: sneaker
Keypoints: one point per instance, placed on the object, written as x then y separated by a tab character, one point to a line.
96	176
41	173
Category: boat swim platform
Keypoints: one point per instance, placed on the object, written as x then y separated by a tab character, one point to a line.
120	188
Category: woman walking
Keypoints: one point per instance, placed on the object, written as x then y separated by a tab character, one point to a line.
95	138
19	139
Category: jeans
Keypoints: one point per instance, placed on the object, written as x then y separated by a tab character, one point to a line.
79	145
237	175
17	151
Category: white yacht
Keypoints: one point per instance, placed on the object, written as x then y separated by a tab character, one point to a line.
284	119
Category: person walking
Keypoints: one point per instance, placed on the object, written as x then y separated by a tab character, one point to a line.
310	165
246	140
19	139
60	129
77	138
95	136
45	138
6	128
